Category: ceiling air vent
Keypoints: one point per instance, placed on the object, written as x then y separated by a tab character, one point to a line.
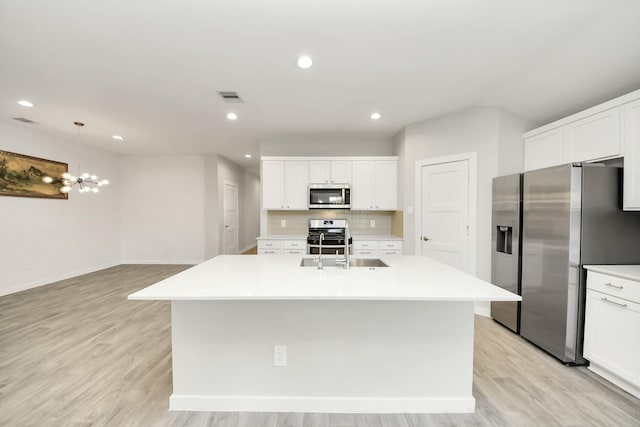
23	120
230	96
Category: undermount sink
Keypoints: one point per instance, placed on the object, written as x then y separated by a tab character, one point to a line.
331	262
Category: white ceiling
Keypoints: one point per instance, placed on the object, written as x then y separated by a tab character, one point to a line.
150	69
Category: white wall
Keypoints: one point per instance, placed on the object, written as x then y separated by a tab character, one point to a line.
327	146
162	209
46	240
211	202
494	134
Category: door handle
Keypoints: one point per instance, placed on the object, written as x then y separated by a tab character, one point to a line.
425	238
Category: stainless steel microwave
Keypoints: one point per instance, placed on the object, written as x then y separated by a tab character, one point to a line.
329	196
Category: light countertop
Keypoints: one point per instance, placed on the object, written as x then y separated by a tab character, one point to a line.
631	272
304	237
283	237
245	277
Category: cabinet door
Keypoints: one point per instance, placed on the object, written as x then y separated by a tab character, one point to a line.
593	137
543	150
296	182
319	171
631	149
612	335
363	185
273	184
341	171
386	187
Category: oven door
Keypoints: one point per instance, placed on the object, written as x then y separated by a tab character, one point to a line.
328	198
326	250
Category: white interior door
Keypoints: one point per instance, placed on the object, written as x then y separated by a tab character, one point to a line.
230	239
444	217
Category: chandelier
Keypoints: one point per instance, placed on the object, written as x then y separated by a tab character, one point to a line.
86	182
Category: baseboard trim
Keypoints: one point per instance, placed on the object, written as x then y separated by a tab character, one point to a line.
482	309
615	379
365	405
56	278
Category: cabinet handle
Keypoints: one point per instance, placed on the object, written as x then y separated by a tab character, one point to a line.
613	302
614	286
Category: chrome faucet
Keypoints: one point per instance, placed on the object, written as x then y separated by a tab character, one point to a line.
346	259
320	252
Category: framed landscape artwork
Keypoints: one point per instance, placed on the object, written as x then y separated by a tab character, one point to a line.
21	176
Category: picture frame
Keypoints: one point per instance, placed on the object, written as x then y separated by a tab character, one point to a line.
21	176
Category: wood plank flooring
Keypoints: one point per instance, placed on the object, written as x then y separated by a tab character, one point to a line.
77	353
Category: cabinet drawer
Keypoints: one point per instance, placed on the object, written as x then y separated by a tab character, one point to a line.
269	244
365	244
390	244
616	286
269	252
365	253
294	251
294	244
390	252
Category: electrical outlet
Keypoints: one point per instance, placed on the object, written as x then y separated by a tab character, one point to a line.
279	355
372	223
283	223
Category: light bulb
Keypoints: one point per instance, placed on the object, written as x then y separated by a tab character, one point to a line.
232	116
65	189
105	182
96	189
73	178
66	175
94	177
99	183
375	116
85	175
304	62
47	179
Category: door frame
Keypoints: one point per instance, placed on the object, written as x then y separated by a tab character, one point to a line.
472	159
224	209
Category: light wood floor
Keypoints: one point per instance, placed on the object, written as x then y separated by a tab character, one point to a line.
77	353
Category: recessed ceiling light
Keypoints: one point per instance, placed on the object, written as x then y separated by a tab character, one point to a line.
375	116
232	116
304	62
118	137
25	103
248	156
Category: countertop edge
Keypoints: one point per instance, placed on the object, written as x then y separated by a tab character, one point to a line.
611	270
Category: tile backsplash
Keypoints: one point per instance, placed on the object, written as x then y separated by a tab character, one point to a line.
386	222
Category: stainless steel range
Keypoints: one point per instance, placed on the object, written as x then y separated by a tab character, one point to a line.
330	234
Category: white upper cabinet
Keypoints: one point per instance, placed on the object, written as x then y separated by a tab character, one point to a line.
607	131
273	184
374	185
631	143
543	150
284	184
330	171
296	184
594	137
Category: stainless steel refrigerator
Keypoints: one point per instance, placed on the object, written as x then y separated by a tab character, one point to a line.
572	216
506	220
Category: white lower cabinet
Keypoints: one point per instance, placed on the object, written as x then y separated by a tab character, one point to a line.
376	248
282	247
612	329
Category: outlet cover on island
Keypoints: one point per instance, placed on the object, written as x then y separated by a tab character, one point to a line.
372	223
283	223
279	355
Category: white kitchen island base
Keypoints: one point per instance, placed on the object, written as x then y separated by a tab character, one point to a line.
342	356
374	340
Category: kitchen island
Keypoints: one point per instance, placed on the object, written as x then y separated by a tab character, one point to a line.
261	333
